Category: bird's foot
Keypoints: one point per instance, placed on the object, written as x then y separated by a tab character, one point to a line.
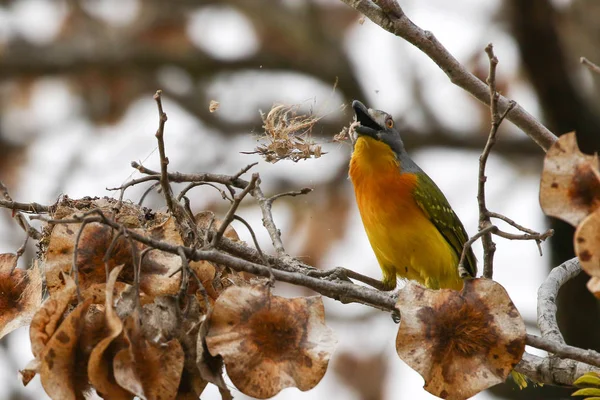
334	274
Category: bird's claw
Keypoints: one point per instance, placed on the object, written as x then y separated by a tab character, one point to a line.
335	274
396	316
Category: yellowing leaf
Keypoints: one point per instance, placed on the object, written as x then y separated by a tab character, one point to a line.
587	392
268	342
20	294
520	379
589	379
587	244
460	342
570	183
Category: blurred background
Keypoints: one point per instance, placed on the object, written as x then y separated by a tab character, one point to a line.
76	86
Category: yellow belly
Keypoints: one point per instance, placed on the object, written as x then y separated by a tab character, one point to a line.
405	241
408	245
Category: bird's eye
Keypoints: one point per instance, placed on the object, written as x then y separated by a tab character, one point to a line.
389	123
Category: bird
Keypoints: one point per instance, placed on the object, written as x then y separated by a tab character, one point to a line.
414	232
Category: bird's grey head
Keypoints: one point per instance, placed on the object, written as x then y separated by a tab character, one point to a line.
378	125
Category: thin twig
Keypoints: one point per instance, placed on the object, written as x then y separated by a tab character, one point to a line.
590	65
537	236
185	268
195	184
147	192
244	170
264	203
132	182
267	220
489	247
24	224
509	221
469	243
19	253
185	223
32	208
164	161
233	208
525	236
293	193
254	240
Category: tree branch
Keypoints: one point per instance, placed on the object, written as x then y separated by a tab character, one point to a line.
547	294
403	27
590	357
553	371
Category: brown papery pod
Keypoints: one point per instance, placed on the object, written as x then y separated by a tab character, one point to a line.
461	342
269	343
20	294
570	183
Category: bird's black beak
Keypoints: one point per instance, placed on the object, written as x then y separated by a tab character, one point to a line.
367	126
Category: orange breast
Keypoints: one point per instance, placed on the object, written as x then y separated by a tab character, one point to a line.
404	240
378	181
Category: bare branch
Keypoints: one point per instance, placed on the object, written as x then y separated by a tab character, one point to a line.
549	370
254	240
132	182
344	274
147	191
23	223
291	194
547	294
489	247
553	371
195	184
164	161
469	243
33	208
565	351
533	235
185	269
525	236
231	212
344	292
244	170
403	27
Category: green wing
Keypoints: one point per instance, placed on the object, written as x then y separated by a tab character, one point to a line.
435	206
